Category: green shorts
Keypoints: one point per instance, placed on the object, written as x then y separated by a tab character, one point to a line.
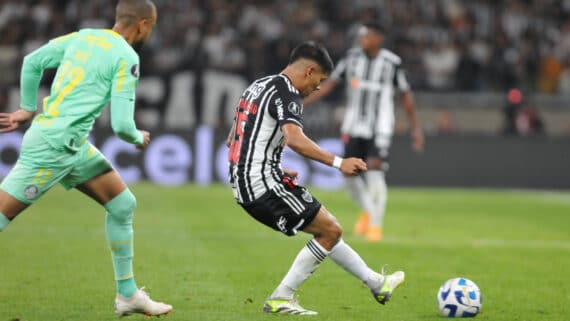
40	167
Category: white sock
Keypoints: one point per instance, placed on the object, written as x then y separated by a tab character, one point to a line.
343	255
378	192
357	188
306	262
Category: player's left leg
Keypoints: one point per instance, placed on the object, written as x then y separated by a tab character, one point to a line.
94	177
358	147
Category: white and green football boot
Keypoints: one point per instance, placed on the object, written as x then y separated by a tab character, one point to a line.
285	306
390	283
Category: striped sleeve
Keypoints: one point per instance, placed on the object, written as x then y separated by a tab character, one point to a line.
400	79
287	106
339	73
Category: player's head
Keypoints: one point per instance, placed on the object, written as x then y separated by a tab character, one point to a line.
138	17
313	65
371	36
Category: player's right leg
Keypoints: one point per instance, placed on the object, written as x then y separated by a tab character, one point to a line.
326	232
38	168
289	209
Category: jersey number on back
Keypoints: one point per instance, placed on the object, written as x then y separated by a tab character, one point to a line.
72	76
235	147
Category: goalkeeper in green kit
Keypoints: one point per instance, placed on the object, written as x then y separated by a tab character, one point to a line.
94	67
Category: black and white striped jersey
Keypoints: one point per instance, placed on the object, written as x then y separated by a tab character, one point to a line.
257	141
370	85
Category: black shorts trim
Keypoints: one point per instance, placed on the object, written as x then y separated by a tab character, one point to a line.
287	209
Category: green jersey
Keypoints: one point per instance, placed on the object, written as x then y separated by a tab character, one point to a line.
94	66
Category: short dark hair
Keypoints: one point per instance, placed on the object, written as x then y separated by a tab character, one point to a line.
376	26
129	11
313	51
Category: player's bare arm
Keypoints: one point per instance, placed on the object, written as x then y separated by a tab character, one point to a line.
300	143
12	121
324	89
415	130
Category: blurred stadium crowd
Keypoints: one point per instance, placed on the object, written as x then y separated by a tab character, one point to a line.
473	45
203	52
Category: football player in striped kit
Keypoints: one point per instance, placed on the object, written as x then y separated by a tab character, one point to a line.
268	118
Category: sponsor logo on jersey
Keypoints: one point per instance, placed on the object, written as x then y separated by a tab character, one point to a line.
281	224
256	89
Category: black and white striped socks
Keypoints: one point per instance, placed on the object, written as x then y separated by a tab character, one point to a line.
306	262
311	256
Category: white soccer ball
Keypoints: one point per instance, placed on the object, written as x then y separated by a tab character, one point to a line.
459	297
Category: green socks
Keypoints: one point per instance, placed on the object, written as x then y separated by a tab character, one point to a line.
119	229
4	221
126	287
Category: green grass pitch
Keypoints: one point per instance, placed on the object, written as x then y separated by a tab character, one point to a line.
196	249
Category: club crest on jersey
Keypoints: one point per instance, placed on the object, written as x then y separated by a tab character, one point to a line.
307	196
31	191
294	108
135	70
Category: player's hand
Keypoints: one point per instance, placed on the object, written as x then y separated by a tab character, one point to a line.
291	173
12	121
146	140
352	166
418	141
7	124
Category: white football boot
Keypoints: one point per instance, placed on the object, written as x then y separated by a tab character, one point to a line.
141	303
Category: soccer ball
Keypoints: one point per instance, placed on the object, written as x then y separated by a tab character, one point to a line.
459	297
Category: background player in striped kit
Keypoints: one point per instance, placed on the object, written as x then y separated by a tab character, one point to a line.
269	117
94	67
371	74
